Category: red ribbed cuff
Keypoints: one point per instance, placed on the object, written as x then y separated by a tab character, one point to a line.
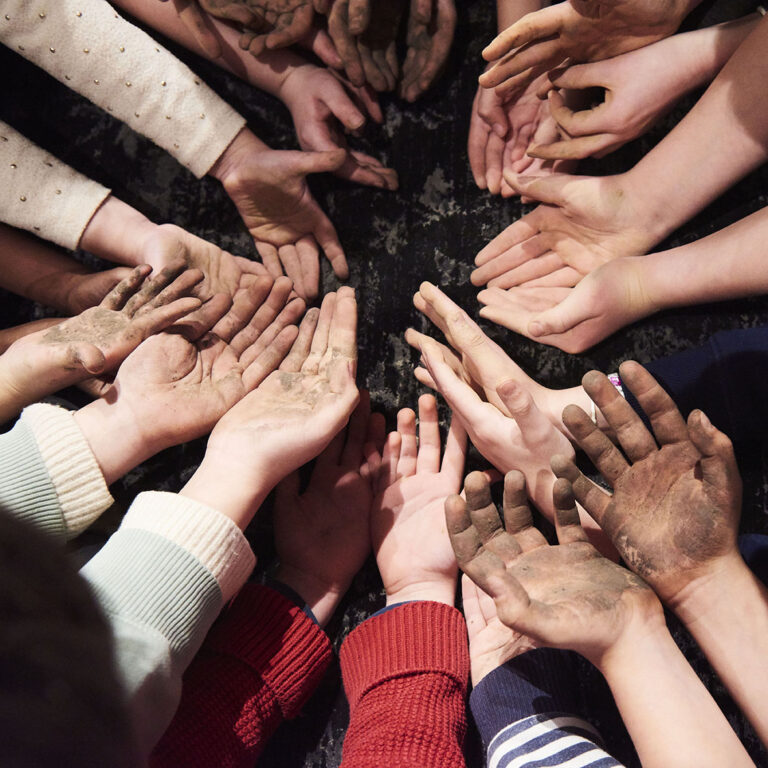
414	638
277	640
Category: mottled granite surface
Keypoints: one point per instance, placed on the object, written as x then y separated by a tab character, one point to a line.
430	229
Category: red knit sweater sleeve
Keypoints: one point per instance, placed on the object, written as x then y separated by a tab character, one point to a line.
405	673
258	666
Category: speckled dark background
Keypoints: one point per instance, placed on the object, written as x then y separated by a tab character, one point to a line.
430	229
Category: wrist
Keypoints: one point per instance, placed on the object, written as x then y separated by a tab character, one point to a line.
438	590
658	216
114	230
216	484
711	596
321	598
244	145
13	395
115	438
289	89
642	637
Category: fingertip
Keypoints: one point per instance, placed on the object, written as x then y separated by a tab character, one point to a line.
560	465
514	482
591	379
537	328
571	415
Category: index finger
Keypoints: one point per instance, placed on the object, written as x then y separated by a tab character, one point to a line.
543	23
342	336
666	420
631	433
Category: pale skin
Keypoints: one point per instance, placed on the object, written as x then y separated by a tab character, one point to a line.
568	596
578	30
674	517
287	227
322	536
480	362
408	535
585	222
323	106
520	436
670	69
290	418
174	387
725	265
491	642
97	340
502	129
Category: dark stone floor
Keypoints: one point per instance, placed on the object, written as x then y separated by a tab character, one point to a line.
430	229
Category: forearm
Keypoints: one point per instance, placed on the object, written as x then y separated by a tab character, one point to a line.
115	439
728	618
34	270
728	264
214	484
12	400
266	72
88	47
699	55
668	712
9	335
732	113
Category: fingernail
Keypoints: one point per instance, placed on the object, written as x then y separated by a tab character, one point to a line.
535	328
499	130
706	424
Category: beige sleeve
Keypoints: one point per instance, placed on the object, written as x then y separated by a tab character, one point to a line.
90	48
43	195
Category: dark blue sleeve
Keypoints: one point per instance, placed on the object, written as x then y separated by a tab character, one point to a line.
754	550
727	378
540	681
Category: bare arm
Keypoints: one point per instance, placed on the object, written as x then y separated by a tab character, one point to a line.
266	71
724	137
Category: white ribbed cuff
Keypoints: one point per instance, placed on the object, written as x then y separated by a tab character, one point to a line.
75	473
204	532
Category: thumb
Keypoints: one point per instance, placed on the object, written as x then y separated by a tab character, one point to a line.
533	424
491	111
517	400
344	109
718	463
88	357
545	189
561	318
320	162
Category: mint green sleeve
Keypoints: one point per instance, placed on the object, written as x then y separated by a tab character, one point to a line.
26	488
161	580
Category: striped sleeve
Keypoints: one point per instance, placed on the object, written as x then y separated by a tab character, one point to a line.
549	739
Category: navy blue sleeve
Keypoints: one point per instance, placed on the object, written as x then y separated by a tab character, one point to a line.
727	378
536	682
754	550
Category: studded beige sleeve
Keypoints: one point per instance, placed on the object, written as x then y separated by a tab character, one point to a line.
90	48
43	195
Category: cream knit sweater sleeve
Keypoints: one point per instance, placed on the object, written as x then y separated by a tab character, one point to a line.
43	195
90	48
